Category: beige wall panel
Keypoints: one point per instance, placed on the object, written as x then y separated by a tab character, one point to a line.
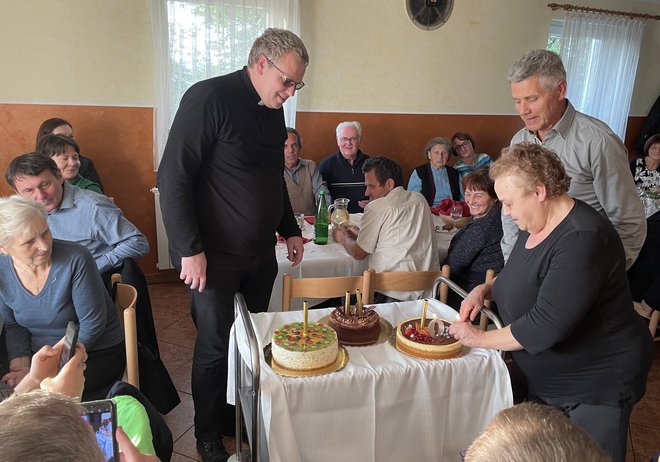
76	51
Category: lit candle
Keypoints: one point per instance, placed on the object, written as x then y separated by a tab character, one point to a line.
423	321
358	297
347	304
305	311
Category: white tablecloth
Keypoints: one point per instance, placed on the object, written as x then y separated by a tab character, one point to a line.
328	261
384	405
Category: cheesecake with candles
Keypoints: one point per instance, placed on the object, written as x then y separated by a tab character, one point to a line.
298	349
355	325
431	341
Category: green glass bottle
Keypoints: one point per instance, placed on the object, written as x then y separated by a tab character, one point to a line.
321	222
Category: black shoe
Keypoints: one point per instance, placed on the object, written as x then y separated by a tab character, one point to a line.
212	451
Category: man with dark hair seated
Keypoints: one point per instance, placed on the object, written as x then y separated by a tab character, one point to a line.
397	231
77	215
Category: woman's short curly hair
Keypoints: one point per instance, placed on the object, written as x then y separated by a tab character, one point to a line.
532	164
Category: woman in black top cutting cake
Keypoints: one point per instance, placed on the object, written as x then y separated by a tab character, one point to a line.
564	299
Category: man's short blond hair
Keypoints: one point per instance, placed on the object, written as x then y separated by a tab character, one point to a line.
45	427
275	43
531	432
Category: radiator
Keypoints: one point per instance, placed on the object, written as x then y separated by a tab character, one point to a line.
164	261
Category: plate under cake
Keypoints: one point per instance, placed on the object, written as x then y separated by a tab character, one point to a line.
356	329
296	350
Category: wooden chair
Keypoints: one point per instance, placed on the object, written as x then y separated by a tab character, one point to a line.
125	298
483	321
318	287
405	281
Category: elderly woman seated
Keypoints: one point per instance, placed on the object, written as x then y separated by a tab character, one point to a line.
435	180
45	284
65	152
476	248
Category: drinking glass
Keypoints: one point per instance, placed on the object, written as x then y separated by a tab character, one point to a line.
456	213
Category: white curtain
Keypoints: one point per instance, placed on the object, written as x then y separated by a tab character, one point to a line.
600	53
198	39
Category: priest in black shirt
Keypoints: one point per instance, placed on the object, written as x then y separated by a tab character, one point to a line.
223	197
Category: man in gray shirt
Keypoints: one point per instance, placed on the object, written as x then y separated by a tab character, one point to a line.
593	156
303	180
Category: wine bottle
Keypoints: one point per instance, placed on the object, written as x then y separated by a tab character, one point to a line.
321	222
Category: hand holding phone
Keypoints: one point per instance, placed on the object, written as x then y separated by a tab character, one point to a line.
70	340
102	417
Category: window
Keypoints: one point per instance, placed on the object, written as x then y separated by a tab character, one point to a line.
554	36
207	39
600	53
199	39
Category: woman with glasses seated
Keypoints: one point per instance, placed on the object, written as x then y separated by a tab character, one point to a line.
435	180
469	161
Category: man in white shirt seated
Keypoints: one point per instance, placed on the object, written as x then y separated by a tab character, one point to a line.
397	231
303	180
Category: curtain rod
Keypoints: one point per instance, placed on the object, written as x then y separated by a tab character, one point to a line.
567	7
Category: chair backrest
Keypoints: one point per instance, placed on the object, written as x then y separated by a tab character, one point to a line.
318	287
125	298
404	281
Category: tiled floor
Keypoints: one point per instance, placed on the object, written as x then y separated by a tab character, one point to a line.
176	334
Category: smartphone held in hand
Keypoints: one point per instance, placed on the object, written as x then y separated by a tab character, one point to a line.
101	415
70	340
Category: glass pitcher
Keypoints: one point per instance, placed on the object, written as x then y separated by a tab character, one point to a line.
339	212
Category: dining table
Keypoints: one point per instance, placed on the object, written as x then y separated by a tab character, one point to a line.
330	260
382	405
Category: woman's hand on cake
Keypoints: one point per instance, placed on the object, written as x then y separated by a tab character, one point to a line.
466	333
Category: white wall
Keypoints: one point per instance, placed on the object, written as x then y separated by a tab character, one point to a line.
365	54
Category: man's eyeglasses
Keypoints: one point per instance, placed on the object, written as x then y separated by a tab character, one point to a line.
287	82
462	145
346	140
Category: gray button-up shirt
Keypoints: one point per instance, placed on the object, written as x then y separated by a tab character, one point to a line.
597	162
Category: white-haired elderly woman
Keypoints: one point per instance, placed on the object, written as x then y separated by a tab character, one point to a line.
564	299
44	284
435	180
